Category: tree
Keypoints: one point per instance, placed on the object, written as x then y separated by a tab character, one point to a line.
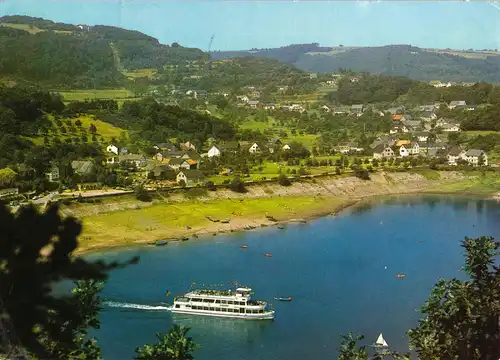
31	263
284	180
78	123
92	129
210	185
349	348
7	177
461	317
237	185
142	194
174	345
86	298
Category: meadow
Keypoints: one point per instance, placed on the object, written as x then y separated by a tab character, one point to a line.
169	220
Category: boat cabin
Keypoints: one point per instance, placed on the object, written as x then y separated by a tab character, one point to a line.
243	292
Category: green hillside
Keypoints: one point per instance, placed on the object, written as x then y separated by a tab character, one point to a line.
78	56
234	73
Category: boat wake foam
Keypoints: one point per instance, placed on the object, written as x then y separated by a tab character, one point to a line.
123	305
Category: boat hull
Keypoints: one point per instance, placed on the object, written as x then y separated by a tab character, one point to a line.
265	316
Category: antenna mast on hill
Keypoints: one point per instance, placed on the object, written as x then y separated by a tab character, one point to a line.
209	62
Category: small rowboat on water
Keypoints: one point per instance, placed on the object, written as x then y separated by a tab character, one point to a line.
268	255
400	276
244	246
161	243
289	298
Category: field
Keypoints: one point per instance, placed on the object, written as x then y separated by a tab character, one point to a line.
486	183
105	131
81	95
474	133
139	73
308	140
25	27
163	221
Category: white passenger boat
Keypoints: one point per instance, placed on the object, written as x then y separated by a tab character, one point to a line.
223	303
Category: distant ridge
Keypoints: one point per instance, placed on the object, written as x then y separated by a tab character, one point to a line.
391	60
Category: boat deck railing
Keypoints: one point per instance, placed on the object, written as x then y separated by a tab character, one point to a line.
256	302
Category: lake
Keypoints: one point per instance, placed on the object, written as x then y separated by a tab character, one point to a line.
339	270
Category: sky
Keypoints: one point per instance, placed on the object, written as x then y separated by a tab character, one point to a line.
240	25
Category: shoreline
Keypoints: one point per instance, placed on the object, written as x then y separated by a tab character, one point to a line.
285	210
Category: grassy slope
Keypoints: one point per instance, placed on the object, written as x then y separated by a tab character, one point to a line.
80	95
170	220
105	131
483	184
25	27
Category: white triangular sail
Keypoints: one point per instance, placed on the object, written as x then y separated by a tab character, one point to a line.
381	341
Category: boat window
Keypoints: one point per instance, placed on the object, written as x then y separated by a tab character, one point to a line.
223	301
242	311
205	308
211	309
224	309
261	311
230	302
217	301
242	303
177	306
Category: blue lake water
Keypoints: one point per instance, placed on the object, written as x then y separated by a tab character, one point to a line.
339	270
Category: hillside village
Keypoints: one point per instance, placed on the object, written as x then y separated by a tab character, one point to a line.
415	137
192	121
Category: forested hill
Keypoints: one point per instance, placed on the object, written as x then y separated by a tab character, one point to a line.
79	56
392	60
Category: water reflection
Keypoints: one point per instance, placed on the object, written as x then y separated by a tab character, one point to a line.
235	329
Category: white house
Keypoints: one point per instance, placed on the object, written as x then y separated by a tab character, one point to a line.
243	98
112	149
422	137
113	160
214	151
286	147
52	174
404	151
178	163
190	177
409	149
460	104
414	148
254	104
297	107
454	155
472	156
254	148
450	127
325	108
383	151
